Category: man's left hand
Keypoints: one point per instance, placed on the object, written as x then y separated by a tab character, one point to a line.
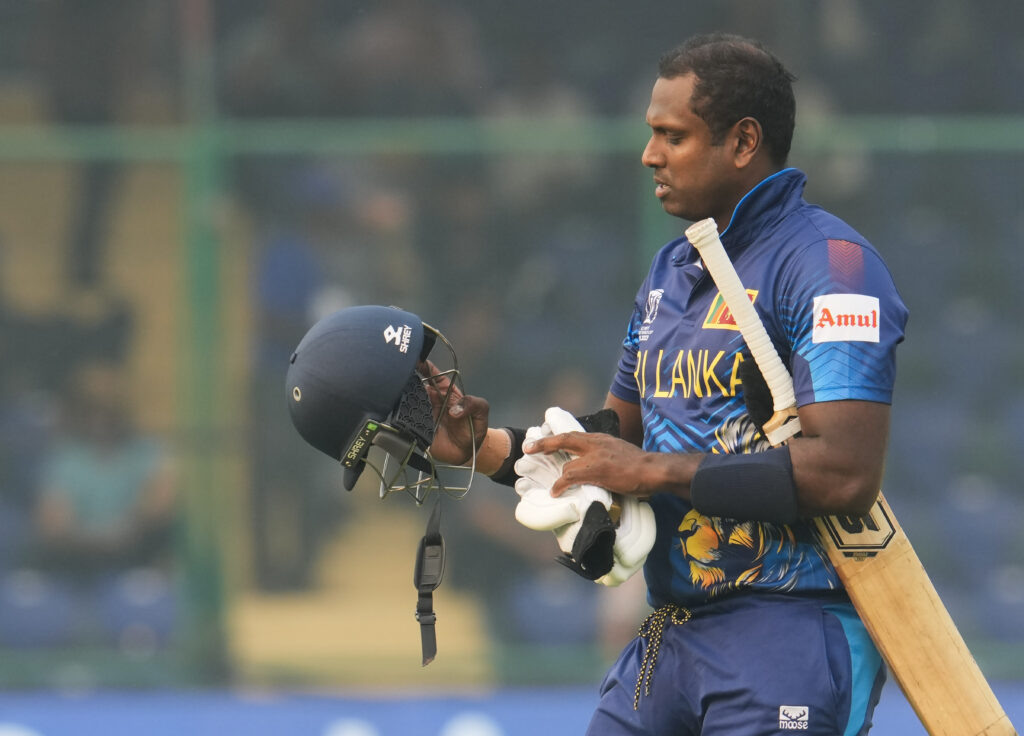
597	459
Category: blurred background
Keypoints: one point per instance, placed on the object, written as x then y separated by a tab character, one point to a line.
187	185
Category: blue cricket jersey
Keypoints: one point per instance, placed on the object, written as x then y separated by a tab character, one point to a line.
830	306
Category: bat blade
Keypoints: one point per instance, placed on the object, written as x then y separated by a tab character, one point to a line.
909	624
873	557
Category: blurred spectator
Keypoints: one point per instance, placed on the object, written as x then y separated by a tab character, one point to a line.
42	349
289	279
414	57
105	521
25	428
89	56
279	63
540	181
341	245
107	493
41	352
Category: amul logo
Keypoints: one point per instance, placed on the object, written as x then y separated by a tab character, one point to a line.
845	317
400	336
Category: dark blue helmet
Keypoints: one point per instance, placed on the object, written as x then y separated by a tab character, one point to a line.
353	387
352	384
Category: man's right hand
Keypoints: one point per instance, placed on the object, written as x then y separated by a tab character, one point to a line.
462	425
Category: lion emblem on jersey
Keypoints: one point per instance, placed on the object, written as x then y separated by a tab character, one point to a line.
725	554
739	435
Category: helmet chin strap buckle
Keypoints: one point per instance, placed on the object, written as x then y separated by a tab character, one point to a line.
427	576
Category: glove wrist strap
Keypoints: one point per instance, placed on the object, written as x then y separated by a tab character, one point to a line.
506	474
592	551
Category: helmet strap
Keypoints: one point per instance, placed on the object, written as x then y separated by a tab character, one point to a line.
426	577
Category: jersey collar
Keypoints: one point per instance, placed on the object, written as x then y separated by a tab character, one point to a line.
763	204
769	200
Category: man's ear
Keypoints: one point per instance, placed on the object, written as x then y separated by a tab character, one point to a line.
747	136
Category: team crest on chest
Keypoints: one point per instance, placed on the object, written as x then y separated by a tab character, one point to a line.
719	317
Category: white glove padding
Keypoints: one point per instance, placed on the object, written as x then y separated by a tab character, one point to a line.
537	508
546	469
579	517
541	469
634	538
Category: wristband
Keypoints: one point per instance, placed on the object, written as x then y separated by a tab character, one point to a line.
506	474
749	487
606	421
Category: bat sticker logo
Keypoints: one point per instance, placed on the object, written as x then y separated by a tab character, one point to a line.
862	536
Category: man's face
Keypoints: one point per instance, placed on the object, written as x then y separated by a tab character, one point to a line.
693	178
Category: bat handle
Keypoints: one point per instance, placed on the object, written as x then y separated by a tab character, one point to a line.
784	423
703	235
783	426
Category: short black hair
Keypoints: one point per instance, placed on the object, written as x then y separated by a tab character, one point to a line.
737	77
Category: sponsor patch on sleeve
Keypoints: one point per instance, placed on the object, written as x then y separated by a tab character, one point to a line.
845	318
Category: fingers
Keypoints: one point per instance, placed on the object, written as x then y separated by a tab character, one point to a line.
426	368
456	409
561	485
474	406
575	443
479	411
438	383
595	458
576	472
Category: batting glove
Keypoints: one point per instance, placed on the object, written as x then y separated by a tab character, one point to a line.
593	544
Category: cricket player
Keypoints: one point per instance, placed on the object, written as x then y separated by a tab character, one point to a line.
752	632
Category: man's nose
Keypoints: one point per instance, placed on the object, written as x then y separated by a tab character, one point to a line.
651	157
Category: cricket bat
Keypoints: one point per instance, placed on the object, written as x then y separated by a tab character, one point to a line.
882	573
